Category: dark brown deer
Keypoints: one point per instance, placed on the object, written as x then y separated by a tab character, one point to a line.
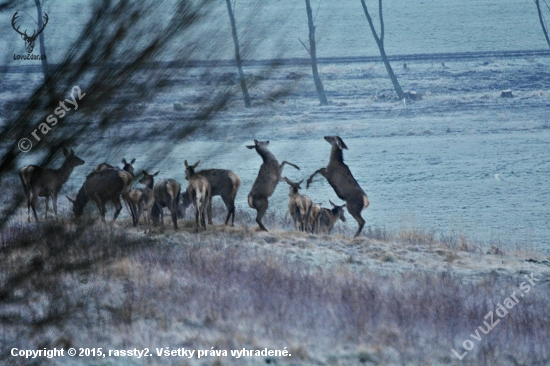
144	198
129	168
167	194
29	40
267	180
199	191
40	182
342	181
328	217
299	206
101	187
224	183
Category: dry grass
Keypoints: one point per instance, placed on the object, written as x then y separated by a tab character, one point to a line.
92	285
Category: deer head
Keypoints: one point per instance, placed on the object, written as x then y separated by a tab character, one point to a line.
29	40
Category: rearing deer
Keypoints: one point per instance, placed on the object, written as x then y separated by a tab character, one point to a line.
266	182
342	181
40	182
199	192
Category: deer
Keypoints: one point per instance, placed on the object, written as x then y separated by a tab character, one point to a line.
143	198
267	180
101	187
199	191
41	182
345	186
328	217
167	194
314	217
299	206
129	168
224	183
29	40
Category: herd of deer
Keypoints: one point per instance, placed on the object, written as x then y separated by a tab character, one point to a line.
107	183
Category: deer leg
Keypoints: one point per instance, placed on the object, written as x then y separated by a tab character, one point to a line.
139	211
33	205
230	204
355	211
209	212
322	171
54	203
47	201
286	162
174	212
118	207
260	204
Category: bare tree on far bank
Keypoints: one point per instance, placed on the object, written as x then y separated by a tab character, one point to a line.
380	43
542	22
238	54
313	54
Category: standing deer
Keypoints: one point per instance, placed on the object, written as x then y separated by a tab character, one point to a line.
128	168
224	183
266	182
327	218
314	217
40	182
342	181
143	198
299	206
199	191
167	194
101	187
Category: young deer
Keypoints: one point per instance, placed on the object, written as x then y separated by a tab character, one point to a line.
342	181
40	182
101	187
167	194
327	218
143	198
266	182
199	191
314	217
224	183
299	206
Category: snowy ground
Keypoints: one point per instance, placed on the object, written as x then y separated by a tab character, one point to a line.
461	160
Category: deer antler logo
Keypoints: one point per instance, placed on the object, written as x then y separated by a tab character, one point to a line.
29	40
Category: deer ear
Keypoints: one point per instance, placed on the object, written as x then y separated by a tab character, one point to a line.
186	165
124	161
65	152
250	146
144	172
332	203
256	142
300	182
341	143
157	173
133	161
196	164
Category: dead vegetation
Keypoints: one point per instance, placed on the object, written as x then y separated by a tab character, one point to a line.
85	284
